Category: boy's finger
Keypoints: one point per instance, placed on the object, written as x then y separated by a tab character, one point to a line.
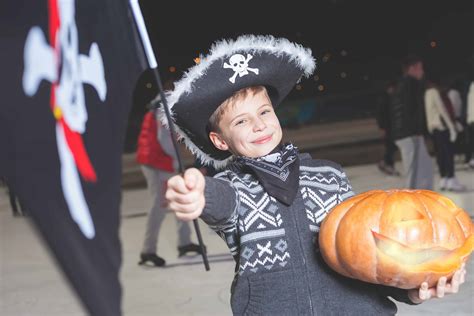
183	208
176	183
186	198
192	178
186	217
463	277
455	281
191	212
424	293
441	287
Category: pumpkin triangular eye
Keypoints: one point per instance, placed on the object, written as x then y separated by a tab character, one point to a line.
411	215
400	209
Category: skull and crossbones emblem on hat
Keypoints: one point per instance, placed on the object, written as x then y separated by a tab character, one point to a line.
240	65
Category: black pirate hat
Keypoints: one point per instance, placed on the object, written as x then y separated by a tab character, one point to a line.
231	65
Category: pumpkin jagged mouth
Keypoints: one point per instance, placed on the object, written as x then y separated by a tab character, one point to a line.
405	254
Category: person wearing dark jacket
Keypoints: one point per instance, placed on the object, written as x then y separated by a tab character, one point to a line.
408	123
268	200
387	164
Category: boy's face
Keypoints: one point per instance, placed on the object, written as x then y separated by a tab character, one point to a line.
249	128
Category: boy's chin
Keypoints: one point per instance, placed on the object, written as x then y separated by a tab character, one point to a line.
261	151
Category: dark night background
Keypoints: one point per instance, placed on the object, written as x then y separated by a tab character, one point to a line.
357	44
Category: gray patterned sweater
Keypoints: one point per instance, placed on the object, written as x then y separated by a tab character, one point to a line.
279	270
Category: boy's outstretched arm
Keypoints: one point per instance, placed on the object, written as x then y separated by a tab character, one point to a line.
443	287
185	194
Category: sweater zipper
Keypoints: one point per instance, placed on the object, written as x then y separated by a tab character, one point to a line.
295	216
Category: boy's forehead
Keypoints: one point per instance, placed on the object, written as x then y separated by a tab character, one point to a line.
251	101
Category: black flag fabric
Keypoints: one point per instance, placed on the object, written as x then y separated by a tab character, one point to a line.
68	70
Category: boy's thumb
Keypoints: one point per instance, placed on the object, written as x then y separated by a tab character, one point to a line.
190	178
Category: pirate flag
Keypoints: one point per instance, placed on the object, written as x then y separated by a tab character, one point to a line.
68	71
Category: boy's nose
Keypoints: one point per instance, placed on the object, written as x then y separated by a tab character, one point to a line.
259	125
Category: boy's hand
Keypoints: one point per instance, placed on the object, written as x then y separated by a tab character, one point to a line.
443	287
185	194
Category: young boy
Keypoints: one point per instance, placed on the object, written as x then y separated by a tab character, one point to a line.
270	199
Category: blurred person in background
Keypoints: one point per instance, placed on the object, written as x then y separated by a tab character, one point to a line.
457	92
407	121
387	164
441	124
158	161
470	122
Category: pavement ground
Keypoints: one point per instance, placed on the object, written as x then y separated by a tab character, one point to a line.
32	284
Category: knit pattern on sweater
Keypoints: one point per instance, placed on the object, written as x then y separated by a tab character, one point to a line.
256	231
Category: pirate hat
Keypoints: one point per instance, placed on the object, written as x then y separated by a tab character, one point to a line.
249	60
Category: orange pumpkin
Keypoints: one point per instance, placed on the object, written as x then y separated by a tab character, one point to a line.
399	238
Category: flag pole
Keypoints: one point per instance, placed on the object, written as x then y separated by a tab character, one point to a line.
140	23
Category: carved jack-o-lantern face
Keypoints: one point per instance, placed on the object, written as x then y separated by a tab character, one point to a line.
399	238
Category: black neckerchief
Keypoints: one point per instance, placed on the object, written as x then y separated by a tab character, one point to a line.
278	172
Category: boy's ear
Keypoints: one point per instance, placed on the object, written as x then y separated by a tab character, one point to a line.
218	141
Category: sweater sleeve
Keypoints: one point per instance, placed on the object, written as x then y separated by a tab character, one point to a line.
220	210
345	188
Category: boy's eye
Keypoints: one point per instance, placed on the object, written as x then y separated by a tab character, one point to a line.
239	122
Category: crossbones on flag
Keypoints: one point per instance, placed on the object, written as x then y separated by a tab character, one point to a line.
68	73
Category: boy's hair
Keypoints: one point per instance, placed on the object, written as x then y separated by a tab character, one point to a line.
216	117
410	60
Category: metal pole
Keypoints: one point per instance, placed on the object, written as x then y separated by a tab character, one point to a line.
140	23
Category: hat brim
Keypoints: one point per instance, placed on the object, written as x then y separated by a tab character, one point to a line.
250	60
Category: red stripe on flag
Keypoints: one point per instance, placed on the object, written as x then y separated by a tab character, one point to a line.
75	143
54	21
73	139
54	24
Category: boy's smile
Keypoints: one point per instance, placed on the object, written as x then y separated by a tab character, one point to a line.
263	140
249	127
